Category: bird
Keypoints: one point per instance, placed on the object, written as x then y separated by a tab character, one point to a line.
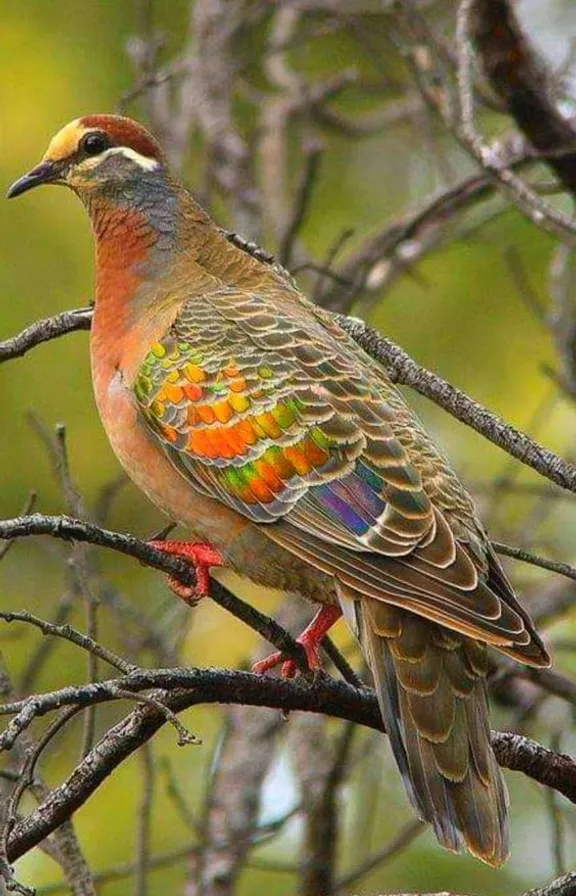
244	412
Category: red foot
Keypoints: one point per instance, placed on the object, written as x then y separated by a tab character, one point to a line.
202	556
310	639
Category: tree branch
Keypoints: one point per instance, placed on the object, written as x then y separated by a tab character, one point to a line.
44	331
521	79
457	114
403	369
70	529
563	886
183	688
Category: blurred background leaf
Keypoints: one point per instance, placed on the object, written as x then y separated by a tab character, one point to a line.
461	312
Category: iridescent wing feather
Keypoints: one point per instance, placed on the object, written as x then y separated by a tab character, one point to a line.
264	403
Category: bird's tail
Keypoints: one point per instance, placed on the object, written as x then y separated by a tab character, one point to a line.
431	688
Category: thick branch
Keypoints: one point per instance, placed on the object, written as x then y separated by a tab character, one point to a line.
563	886
520	77
183	688
403	369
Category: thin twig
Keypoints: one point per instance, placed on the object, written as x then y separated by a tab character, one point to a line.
563	569
28	508
312	157
142	861
177	797
68	633
403	838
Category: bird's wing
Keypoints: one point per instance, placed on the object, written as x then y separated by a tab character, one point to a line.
263	403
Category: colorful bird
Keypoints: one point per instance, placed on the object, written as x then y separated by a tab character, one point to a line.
244	412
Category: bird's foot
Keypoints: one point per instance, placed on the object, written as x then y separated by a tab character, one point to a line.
310	639
202	556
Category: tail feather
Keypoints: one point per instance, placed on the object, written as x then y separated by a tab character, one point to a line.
432	693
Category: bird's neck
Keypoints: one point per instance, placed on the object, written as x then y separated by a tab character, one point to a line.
156	248
136	232
153	242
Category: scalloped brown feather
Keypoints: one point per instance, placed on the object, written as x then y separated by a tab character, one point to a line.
435	710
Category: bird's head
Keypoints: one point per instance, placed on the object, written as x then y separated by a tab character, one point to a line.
94	153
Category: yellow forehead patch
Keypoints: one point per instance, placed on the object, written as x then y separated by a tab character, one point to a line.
65	142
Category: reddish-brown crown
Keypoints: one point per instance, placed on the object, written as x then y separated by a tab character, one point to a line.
125	132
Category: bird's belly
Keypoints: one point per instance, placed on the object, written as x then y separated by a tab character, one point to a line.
148	466
244	545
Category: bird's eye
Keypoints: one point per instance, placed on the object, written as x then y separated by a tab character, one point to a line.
94	144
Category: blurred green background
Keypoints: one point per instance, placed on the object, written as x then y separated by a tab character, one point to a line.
459	312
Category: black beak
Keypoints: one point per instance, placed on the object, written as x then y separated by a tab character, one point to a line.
44	173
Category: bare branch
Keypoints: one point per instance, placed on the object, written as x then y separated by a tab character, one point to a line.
312	156
404	370
207	96
70	634
66	847
563	569
77	530
232	801
564	886
520	78
458	117
45	330
403	838
28	508
142	862
183	688
551	681
320	763
555	818
275	114
525	197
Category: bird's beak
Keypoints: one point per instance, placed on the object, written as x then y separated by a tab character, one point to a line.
45	173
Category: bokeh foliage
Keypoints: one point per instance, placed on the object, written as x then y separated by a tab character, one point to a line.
459	312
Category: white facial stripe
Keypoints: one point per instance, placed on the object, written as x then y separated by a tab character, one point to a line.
144	162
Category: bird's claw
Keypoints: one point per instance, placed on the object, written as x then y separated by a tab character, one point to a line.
202	556
289	668
310	640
